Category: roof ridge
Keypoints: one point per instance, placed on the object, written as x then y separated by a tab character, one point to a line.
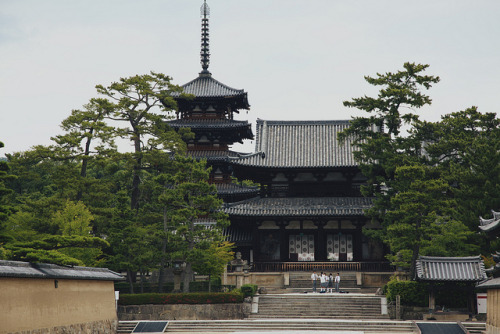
299	122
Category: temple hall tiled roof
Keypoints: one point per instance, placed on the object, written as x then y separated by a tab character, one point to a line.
295	144
234	234
300	207
457	269
489	225
43	270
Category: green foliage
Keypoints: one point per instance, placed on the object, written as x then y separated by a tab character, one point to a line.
411	292
249	290
212	260
181	298
429	181
418	219
465	147
49	249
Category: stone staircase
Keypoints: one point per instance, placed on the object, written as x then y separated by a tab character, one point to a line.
319	306
291	325
301	282
126	327
475	327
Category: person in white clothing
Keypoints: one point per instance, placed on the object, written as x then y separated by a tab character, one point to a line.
337	282
314	278
324	281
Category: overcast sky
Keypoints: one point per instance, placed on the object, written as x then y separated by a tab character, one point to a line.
297	59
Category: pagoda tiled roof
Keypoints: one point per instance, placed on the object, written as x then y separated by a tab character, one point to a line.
208	123
490	225
299	144
212	154
232	188
453	269
206	86
300	207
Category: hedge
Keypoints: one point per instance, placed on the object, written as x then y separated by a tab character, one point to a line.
181	298
411	292
248	290
196	286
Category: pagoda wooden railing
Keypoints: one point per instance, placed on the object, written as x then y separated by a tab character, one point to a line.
322	266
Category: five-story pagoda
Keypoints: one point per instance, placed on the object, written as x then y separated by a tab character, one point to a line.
209	115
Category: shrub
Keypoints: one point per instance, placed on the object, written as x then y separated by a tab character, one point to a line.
411	292
181	298
248	290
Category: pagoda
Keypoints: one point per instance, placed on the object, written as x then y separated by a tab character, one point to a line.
209	115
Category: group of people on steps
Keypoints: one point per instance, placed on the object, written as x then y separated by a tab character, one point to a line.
326	282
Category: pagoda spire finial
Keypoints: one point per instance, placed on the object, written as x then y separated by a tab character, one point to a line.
205	50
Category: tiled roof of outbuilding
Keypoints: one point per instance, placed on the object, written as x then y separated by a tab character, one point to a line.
44	270
456	269
300	207
490	284
284	144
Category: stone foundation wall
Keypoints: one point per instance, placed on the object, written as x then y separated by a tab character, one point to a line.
408	312
184	312
101	327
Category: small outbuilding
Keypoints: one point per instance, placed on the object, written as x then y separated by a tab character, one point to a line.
493	302
47	298
451	273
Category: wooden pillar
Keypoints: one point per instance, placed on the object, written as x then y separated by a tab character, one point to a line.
283	241
432	298
320	248
358	240
256	241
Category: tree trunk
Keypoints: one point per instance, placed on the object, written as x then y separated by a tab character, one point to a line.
187	278
136	181
414	257
209	283
142	280
129	279
163	259
83	169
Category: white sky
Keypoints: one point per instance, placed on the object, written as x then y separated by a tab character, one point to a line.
297	59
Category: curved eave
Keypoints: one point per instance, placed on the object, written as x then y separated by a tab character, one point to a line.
206	88
258	159
300	207
490	227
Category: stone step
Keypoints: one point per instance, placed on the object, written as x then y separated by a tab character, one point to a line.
377	326
126	327
475	327
319	306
